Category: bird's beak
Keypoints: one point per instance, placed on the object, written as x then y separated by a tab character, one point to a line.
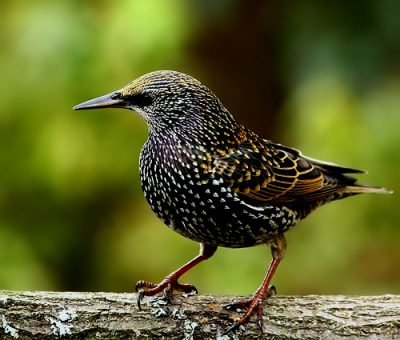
112	99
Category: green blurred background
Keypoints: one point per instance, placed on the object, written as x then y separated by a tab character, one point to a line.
321	76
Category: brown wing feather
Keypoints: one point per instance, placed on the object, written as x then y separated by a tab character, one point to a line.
264	171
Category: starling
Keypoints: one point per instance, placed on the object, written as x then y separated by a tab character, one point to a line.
213	181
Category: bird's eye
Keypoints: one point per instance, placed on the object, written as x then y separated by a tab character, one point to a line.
143	99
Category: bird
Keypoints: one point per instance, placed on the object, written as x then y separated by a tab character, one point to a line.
214	181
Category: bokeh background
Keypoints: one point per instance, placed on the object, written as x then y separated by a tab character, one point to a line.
321	76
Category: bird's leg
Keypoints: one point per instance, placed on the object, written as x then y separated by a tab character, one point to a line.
170	283
255	303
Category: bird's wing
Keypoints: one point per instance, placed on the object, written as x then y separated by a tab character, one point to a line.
261	171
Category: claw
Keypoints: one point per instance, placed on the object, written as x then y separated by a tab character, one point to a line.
140	296
168	294
260	323
234	326
194	289
271	291
260	320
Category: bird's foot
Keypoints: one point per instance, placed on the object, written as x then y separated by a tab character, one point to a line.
254	305
168	285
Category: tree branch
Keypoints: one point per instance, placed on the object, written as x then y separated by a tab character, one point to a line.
52	315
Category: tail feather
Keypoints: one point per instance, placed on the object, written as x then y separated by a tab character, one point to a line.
363	189
352	187
332	167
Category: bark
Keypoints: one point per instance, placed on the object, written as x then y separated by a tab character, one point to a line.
68	315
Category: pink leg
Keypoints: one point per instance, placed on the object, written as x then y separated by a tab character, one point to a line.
255	303
170	283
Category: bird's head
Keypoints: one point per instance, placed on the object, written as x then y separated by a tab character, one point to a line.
165	99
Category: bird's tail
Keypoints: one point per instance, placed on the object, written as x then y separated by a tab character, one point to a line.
352	188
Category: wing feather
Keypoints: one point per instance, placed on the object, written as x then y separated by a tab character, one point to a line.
264	171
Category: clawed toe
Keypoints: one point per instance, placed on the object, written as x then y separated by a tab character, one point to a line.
144	284
254	305
254	308
238	304
168	285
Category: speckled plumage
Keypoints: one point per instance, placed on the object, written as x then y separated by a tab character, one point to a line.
214	181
